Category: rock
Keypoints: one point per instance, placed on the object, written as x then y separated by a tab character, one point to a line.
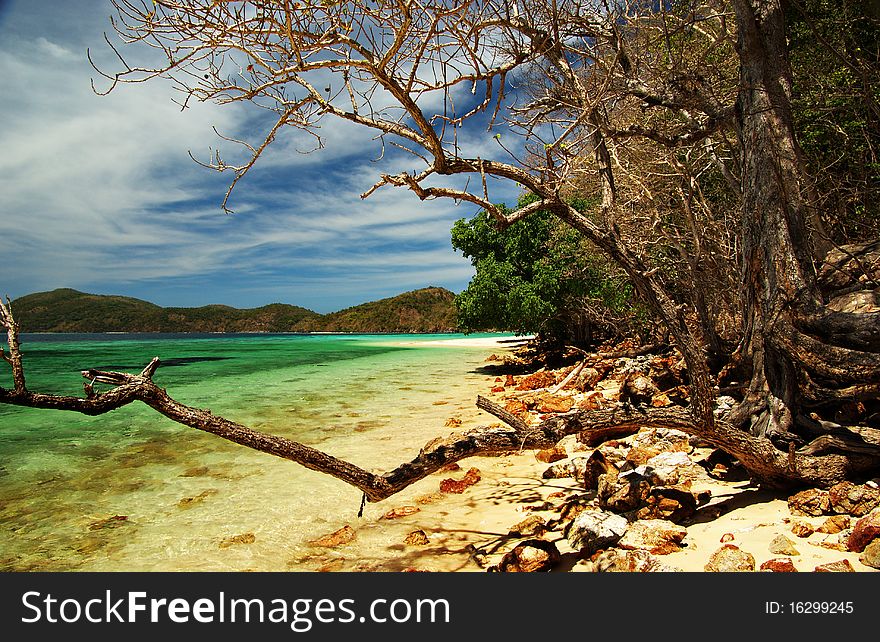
864	531
657	536
574	469
638	389
549	455
532	525
640	454
812	501
630	561
596	465
453	422
401	511
661	400
668	502
622	493
114	521
333	565
594	529
572	509
852	499
497	389
592	401
843	566
518	408
779	565
781	545
509	381
727	537
244	538
730	558
553	403
871	555
189	502
530	556
860	302
430	498
537	381
802	529
671	468
571	445
834	524
471	477
339	537
417	538
451	467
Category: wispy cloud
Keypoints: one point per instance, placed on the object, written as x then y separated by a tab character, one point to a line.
99	193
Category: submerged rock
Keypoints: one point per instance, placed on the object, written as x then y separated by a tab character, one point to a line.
244	538
417	538
339	537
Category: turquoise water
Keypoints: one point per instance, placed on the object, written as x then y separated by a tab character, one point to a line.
131	490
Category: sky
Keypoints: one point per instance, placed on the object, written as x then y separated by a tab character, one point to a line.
100	194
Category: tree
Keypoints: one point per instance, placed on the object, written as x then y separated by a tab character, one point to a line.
538	276
615	97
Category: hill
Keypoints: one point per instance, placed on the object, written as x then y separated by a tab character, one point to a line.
67	310
430	309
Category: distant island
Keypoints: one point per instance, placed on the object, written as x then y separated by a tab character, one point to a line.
430	309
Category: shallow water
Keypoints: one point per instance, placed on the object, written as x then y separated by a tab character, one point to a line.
133	491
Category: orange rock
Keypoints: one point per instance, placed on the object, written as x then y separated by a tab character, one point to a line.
549	455
510	381
552	403
337	538
458	486
727	537
453	422
537	381
401	511
518	408
497	389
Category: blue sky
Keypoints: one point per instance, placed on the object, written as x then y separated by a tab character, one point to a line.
100	194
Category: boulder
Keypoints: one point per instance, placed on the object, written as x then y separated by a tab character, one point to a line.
417	538
864	531
834	524
657	536
596	465
570	469
594	529
871	555
674	503
531	526
629	561
530	556
843	566
857	500
812	501
802	529
781	545
672	467
730	558
622	493
339	537
779	565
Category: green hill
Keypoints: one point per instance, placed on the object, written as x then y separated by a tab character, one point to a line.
430	309
65	310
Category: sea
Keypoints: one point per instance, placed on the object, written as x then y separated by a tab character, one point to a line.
133	491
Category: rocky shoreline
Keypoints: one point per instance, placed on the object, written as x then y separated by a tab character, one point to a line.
652	500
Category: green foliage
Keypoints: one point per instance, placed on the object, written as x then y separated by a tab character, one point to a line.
835	59
535	276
